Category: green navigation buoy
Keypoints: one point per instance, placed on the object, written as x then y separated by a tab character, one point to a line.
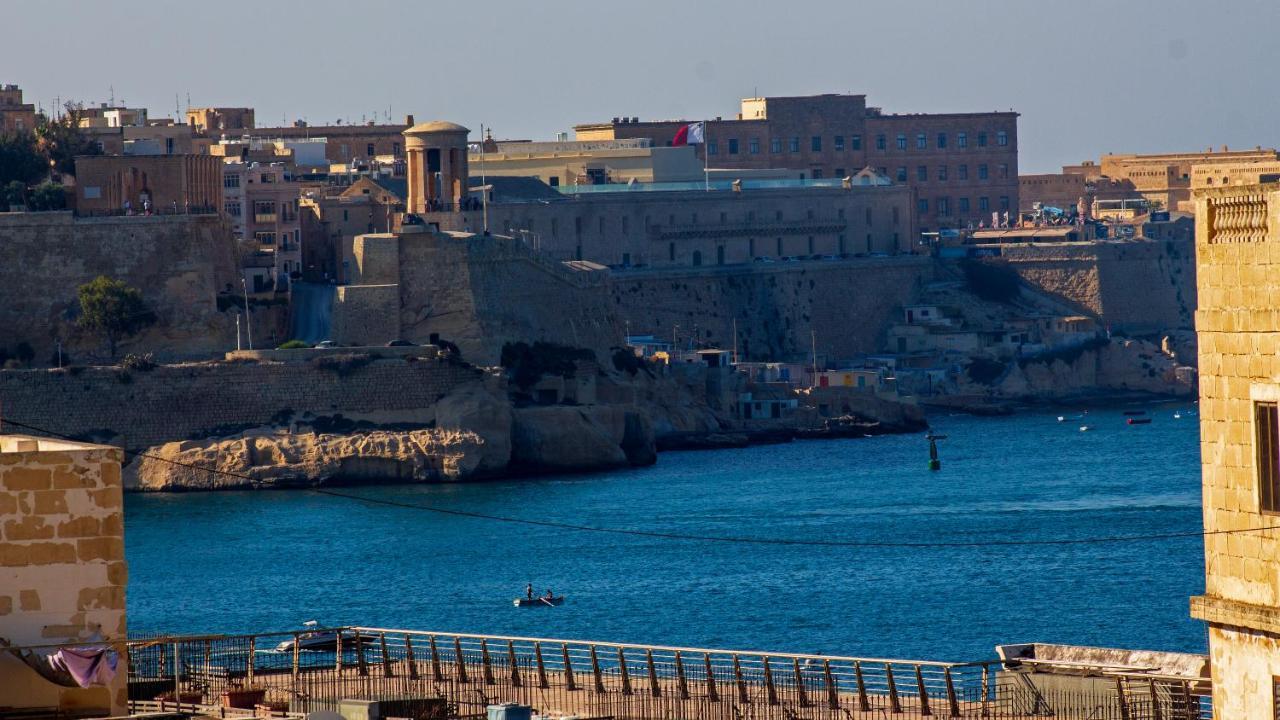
934	462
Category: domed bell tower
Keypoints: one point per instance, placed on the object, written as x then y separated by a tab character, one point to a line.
437	166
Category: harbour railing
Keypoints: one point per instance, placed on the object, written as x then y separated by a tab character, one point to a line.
427	675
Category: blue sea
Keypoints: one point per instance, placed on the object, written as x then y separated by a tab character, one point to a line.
266	561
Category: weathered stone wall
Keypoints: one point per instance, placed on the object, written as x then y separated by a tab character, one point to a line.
179	262
139	409
847	304
477	292
1139	287
62	565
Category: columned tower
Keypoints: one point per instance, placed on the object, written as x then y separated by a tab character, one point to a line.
437	154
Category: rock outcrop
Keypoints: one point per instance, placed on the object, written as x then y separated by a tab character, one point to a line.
306	459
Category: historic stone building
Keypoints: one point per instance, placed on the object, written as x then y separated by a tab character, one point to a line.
15	115
134	184
962	166
651	225
1238	257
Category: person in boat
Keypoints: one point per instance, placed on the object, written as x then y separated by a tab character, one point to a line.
528	591
550	595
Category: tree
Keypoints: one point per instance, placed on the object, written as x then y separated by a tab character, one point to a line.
113	309
20	160
47	196
61	140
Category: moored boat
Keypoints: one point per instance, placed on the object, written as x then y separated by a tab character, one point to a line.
1139	421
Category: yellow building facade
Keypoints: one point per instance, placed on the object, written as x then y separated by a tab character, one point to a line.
62	567
1238	323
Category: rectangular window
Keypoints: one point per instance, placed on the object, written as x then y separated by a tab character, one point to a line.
713	148
902	173
942	140
817	173
982	172
371	151
922	206
839	143
753	147
963	204
942	173
984	204
1004	202
231	181
962	172
1002	138
775	145
1002	171
733	146
902	141
839	172
962	140
855	142
265	238
232	208
815	143
922	173
922	141
880	142
944	206
794	144
982	139
1266	433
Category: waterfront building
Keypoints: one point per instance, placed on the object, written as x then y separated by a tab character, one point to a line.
62	570
1238	259
15	115
962	167
330	222
659	225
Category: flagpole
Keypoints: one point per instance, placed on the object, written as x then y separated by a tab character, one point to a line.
706	158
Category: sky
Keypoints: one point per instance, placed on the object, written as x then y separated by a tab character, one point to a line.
1088	76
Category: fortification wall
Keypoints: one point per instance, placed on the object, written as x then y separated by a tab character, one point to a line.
178	262
139	409
1139	287
478	293
847	304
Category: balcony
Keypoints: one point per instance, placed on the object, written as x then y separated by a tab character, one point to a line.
264	218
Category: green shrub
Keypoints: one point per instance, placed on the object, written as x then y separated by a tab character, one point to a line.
293	345
140	362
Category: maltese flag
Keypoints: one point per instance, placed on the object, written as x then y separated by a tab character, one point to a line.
691	134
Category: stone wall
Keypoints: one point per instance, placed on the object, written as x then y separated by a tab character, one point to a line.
62	565
179	262
848	304
139	409
478	292
1137	287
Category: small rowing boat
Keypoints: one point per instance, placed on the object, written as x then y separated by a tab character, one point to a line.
540	601
1139	421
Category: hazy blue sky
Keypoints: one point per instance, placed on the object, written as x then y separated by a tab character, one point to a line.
1088	76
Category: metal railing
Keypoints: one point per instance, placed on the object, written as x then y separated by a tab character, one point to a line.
458	675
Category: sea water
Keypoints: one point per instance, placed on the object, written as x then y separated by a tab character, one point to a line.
260	561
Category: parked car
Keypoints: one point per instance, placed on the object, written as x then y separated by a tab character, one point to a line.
326	344
399	343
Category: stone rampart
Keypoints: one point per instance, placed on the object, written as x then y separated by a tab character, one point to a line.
1139	287
778	306
180	263
138	409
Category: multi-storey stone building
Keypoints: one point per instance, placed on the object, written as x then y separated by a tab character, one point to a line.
654	225
1238	274
15	115
261	201
962	167
217	120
